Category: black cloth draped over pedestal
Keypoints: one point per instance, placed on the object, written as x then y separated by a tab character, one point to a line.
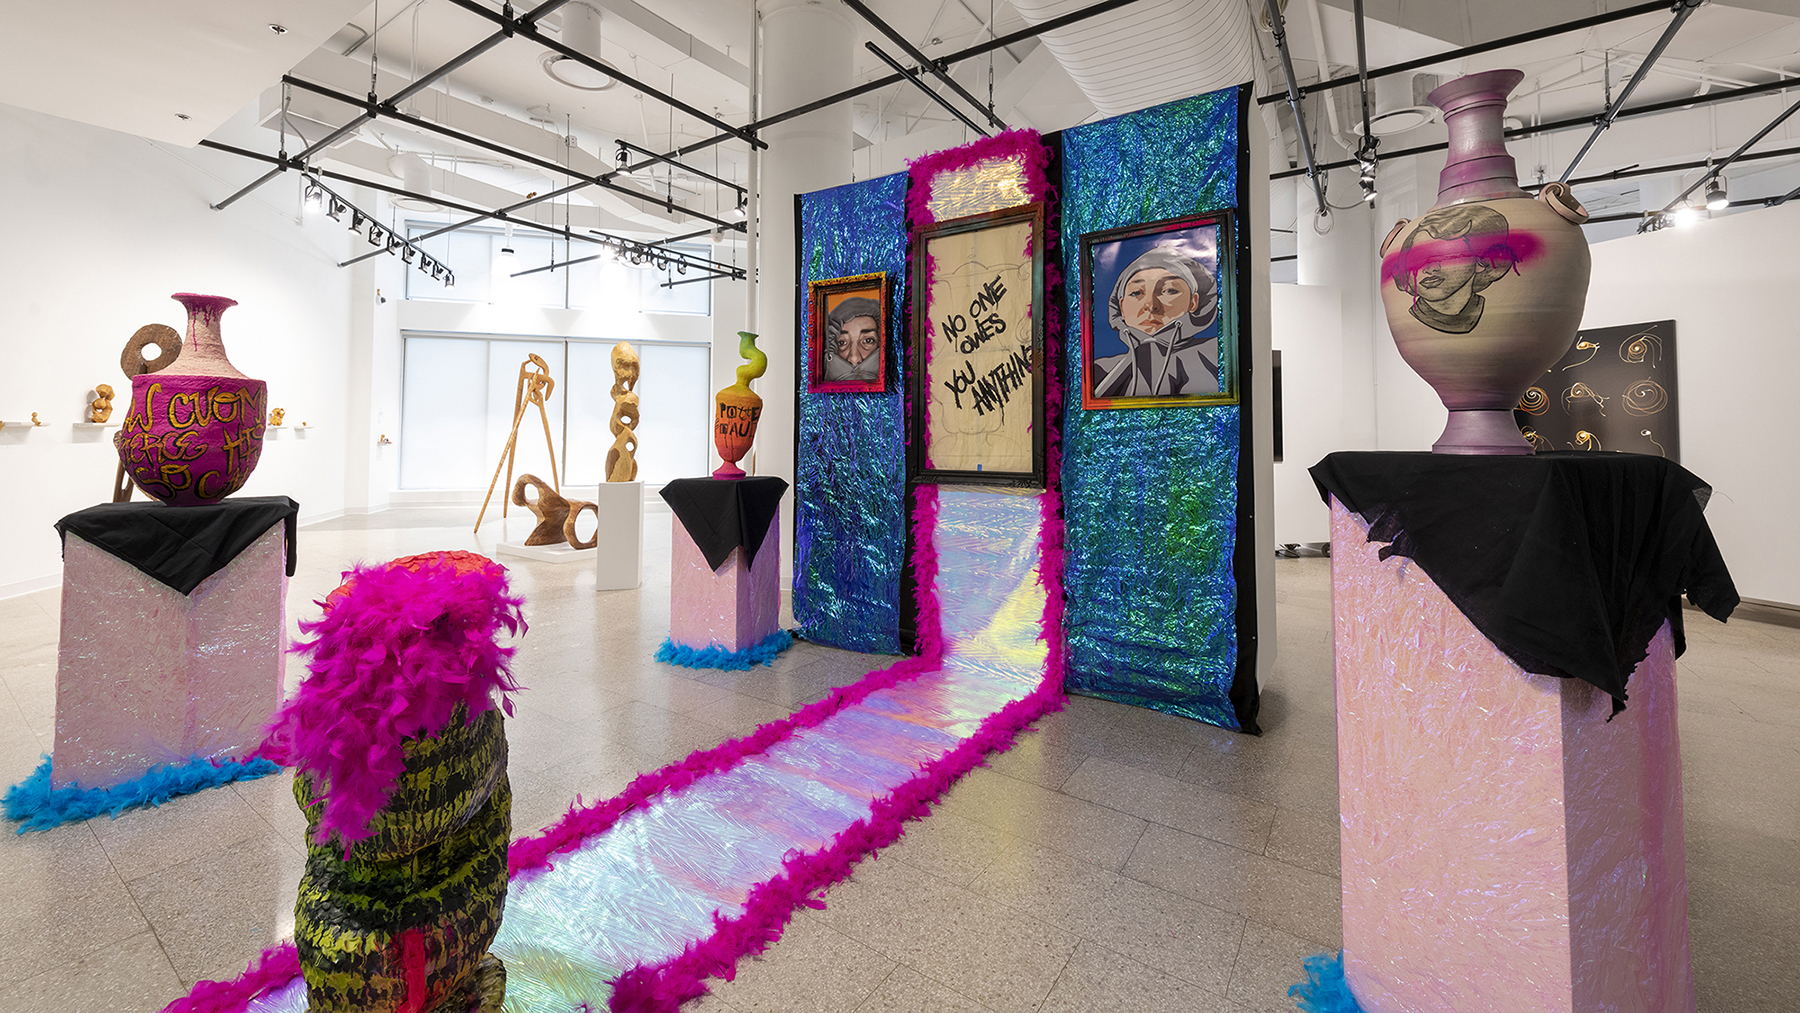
1568	562
721	514
182	545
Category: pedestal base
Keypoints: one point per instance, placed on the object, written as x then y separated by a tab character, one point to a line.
1506	847
1480	431
561	553
619	559
734	607
146	675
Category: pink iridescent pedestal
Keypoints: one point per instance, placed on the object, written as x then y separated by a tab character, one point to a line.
1506	848
148	675
735	607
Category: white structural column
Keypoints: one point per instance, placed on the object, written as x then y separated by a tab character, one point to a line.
1344	258
806	50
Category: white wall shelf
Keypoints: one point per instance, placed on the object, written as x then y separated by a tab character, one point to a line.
94	425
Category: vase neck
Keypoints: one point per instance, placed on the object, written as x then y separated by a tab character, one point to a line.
203	350
1474	111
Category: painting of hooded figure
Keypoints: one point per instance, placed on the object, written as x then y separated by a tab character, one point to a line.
1453	255
852	347
1161	305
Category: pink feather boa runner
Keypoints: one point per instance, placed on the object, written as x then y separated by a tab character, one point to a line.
399	648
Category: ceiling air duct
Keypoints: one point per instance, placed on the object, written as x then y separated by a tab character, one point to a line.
1396	104
1149	52
415	176
580	32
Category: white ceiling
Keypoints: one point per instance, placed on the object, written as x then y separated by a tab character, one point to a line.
141	65
132	65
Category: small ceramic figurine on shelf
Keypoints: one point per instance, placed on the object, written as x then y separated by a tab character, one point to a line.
739	408
101	408
621	460
276	416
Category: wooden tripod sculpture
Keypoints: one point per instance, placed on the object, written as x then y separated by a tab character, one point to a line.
535	386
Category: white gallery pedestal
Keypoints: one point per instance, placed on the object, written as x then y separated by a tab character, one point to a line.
558	553
619	556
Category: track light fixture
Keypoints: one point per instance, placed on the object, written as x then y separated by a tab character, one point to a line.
1716	198
319	197
622	159
1366	161
741	210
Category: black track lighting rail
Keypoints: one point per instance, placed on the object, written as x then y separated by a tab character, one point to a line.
924	61
1551	32
656	159
1683	9
922	86
1731	95
526	27
599	238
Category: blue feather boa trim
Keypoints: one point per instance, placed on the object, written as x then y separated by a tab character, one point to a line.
760	653
1325	990
40	807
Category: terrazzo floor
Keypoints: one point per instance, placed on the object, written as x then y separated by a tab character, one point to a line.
1116	859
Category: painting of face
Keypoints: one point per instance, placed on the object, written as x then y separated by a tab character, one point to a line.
1154	321
859	339
847	349
1446	262
1154	298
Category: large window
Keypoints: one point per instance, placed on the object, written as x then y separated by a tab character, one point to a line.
457	410
485	274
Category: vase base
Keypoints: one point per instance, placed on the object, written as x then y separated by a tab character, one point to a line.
1482	431
729	470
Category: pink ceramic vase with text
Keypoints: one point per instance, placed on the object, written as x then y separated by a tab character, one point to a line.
1484	291
195	429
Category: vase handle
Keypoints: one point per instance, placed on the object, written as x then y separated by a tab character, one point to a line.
1393	232
1562	201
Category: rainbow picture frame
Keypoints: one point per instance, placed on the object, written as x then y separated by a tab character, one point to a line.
1191	257
823	297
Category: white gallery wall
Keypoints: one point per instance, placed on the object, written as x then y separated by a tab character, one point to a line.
102	227
1308	331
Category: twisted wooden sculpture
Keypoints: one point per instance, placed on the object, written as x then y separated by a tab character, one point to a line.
621	460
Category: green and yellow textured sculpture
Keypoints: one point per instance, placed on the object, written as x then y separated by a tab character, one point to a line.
399	755
739	408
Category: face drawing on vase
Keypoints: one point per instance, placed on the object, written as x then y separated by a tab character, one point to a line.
1159	306
853	341
1453	255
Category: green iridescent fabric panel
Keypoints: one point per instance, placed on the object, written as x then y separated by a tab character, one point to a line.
1150	494
850	464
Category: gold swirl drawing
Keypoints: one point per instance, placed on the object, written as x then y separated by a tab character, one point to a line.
1538	440
1642	347
1660	449
1585	440
1535	401
1592	348
1580	391
1645	397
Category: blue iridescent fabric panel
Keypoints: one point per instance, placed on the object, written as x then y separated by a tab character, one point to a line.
1149	494
850	464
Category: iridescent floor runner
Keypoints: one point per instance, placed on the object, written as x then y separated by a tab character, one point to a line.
682	871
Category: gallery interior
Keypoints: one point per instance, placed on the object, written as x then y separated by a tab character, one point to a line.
871	505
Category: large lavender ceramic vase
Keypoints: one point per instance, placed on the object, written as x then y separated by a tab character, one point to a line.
195	429
1484	291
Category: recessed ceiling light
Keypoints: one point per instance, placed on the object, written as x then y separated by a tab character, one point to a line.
278	29
575	74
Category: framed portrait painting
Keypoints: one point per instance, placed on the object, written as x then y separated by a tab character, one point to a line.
978	353
847	346
1158	314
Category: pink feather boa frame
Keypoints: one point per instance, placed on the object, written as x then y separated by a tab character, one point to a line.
401	646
